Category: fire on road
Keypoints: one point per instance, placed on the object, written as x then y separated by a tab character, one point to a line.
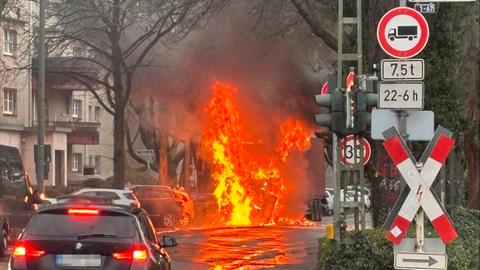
259	247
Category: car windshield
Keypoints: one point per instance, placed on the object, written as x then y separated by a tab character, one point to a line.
74	225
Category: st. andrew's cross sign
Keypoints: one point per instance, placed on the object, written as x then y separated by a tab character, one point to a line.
420	194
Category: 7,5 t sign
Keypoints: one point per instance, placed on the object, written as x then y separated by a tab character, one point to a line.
411	69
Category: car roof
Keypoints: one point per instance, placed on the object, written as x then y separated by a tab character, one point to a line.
151	186
121	209
104	189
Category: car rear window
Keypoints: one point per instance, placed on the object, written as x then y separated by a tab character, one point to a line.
129	195
73	225
153	194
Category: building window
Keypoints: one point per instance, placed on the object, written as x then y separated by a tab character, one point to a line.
97	164
76	162
9	41
9	101
76	108
97	114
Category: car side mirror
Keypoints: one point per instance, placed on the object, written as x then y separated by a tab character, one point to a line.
169	241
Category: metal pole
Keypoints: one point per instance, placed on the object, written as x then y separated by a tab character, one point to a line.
336	186
419	223
359	38
403	3
41	101
340	44
402	126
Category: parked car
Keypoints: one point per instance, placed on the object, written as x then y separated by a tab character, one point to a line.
118	196
86	235
187	204
161	203
17	196
329	193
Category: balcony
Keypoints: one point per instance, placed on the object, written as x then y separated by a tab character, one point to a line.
78	132
59	71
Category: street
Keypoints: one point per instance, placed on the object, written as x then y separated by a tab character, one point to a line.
246	248
259	247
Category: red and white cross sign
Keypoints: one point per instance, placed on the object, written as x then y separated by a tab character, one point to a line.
419	182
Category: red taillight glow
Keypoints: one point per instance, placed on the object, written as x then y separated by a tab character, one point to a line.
21	250
83	212
135	204
135	255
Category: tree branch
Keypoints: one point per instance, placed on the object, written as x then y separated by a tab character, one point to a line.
313	18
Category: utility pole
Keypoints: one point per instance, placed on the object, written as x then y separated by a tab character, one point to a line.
41	102
348	174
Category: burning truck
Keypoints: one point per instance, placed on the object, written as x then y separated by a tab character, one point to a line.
249	188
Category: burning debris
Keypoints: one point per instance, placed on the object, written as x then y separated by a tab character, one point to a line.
250	188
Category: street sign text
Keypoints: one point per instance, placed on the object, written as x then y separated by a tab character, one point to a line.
425	8
401	96
412	69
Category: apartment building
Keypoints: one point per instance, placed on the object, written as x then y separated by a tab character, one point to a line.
79	131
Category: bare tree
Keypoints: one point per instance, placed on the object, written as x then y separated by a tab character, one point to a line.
119	36
278	17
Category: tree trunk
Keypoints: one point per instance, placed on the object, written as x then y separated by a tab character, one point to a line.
472	156
119	149
186	166
163	166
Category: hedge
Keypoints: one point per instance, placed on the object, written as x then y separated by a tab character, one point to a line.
371	251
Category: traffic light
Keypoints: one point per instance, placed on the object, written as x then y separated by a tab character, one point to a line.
335	119
366	98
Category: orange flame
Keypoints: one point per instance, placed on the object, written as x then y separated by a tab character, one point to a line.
249	189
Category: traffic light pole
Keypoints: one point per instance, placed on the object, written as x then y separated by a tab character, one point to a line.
41	102
348	173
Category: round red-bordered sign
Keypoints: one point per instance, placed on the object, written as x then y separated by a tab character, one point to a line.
347	150
403	32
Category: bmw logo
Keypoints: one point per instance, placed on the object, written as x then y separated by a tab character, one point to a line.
78	246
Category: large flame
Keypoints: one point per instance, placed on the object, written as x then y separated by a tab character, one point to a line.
249	189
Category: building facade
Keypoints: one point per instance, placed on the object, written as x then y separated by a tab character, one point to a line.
78	129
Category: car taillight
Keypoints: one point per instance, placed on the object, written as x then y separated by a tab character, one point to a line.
22	250
135	204
88	212
138	254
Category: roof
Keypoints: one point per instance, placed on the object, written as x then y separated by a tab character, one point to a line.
151	186
103	189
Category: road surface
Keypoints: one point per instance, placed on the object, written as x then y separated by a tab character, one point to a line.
246	248
266	247
272	247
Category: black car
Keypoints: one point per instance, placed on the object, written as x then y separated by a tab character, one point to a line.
162	205
85	235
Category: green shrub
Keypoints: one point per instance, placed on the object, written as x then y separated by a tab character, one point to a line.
371	251
464	252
